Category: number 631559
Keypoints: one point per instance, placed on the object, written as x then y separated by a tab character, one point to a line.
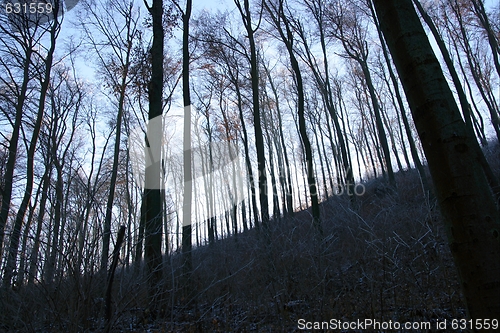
28	8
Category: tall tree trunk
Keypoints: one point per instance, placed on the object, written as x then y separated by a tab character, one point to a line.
477	74
153	206
21	213
268	123
54	250
287	37
378	121
465	106
114	172
259	136
248	164
324	86
470	214
480	12
41	213
187	165
13	143
288	182
318	148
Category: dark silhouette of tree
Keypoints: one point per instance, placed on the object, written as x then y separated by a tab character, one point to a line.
246	17
317	9
348	27
402	111
462	97
283	25
44	76
467	204
152	193
115	67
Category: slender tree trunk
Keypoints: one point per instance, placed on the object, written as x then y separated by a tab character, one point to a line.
322	165
326	92
267	124
476	72
393	142
468	206
13	144
41	213
379	123
288	39
372	160
465	106
54	249
328	170
187	165
248	164
259	136
330	138
114	172
480	12
44	86
288	182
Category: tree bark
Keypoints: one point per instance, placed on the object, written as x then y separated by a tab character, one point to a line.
470	214
153	207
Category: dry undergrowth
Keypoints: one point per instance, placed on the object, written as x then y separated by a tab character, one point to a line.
385	258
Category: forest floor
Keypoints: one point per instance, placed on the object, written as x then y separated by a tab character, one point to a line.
386	258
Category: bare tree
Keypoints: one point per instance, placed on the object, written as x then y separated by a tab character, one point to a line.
283	24
246	17
350	29
114	28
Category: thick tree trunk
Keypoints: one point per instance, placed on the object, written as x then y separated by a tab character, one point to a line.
153	208
470	214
